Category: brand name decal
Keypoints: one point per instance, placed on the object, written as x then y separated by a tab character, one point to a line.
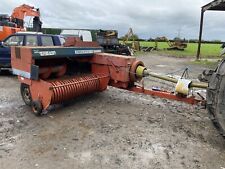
87	51
45	53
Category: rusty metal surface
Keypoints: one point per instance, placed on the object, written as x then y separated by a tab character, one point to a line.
77	42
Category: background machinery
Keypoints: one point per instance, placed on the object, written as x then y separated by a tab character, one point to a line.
108	39
134	44
177	44
15	22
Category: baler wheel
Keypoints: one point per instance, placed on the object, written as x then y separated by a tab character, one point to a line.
216	98
25	93
37	107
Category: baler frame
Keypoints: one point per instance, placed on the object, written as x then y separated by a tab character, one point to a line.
44	73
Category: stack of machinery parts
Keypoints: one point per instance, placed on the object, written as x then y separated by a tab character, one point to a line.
110	42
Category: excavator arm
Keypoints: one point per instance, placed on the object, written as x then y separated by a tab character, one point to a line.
19	13
15	23
25	10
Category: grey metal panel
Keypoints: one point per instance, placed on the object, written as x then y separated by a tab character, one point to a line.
34	72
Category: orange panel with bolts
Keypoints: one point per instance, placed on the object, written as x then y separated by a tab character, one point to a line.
117	66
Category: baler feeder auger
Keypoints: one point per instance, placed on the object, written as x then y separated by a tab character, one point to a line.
54	75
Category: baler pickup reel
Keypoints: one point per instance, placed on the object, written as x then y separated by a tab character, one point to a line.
52	75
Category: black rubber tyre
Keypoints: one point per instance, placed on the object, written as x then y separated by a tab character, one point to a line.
216	98
37	107
25	93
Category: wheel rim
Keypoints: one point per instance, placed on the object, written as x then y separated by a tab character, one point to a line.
26	95
35	109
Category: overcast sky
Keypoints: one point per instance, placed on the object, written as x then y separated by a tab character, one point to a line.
148	18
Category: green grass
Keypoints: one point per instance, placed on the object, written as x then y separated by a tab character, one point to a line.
207	50
210	63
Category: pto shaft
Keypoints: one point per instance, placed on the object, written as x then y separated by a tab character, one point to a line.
143	72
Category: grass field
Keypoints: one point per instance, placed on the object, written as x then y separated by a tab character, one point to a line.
207	50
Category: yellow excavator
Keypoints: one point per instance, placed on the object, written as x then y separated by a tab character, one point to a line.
175	45
134	44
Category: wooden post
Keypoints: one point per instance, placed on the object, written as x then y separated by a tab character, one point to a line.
200	35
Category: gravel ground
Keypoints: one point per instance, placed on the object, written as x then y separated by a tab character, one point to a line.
112	129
